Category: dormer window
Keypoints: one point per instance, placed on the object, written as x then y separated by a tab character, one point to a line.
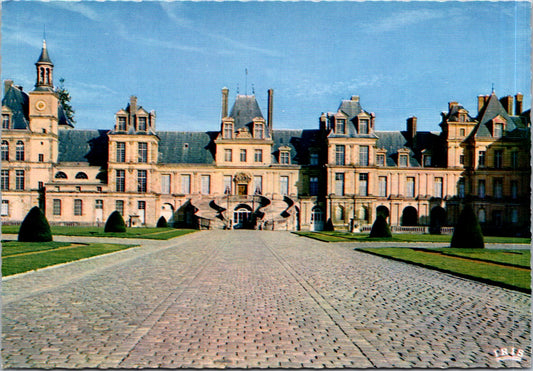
142	124
340	126
258	130
403	160
121	126
363	126
427	160
228	130
5	121
380	159
497	131
284	156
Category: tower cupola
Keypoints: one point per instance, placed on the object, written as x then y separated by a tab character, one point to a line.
45	69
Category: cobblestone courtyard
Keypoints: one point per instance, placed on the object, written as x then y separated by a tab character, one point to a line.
255	299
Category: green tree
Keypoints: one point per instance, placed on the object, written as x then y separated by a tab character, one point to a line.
64	99
162	222
380	228
467	233
35	227
115	223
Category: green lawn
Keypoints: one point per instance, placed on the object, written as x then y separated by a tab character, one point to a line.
336	236
144	233
18	257
503	276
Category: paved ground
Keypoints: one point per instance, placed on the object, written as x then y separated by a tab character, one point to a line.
255	299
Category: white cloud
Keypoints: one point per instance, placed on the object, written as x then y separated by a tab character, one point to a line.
80	8
407	18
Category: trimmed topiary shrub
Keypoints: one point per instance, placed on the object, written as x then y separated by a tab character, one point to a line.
115	223
380	228
467	233
162	222
35	227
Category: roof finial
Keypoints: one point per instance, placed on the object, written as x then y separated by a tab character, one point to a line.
492	88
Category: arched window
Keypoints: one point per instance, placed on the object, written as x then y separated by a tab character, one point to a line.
5	150
19	151
81	175
60	175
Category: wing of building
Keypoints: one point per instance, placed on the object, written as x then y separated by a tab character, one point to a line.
246	174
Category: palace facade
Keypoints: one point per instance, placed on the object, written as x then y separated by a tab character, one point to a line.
246	174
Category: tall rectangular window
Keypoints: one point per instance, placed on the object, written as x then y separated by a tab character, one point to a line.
120	180
5	121
481	188
142	124
228	130
498	187
410	187
380	159
99	204
78	207
498	159
339	154
363	155
206	184
227	184
514	216
514	189
284	158
427	160
258	131
403	160
143	152
141	205
438	187
363	184
258	184
514	159
56	207
461	188
119	206
228	155
481	161
19	151
121	152
4	180
141	181
186	184
339	184
382	184
313	185
5	208
41	157
284	185
340	126
19	180
121	124
363	126
165	184
243	155
313	159
498	130
5	151
258	155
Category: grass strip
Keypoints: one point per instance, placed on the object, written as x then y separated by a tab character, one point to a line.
24	263
15	247
502	276
142	233
512	258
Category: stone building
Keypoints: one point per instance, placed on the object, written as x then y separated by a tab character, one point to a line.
246	174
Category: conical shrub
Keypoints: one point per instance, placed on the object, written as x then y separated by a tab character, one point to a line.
162	222
380	228
35	227
115	223
467	233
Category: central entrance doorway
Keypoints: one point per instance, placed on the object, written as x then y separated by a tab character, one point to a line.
242	216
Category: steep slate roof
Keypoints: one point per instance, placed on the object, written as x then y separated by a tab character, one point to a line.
17	101
186	147
44	57
62	116
83	146
299	142
351	108
244	110
493	108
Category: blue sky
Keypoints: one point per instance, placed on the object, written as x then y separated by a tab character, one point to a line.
401	58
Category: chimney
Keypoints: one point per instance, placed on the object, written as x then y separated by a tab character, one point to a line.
355	98
411	127
270	107
133	104
507	103
518	107
225	92
7	84
452	104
